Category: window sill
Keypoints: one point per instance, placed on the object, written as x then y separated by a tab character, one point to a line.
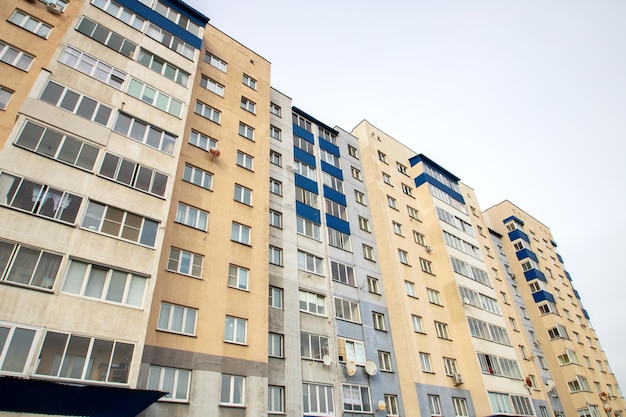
232	405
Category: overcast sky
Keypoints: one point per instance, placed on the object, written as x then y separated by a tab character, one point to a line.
523	100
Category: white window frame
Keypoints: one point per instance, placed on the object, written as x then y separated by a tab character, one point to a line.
185	263
192	217
231	384
310	263
168	321
18	58
175	382
275	341
245	161
314	303
241	233
368	252
379	321
232	328
212	85
246	131
215	62
29	23
5	97
243	195
248	81
275	399
384	361
410	289
197	176
276	219
207	112
238	277
356	398
249	106
307	228
276	187
275	256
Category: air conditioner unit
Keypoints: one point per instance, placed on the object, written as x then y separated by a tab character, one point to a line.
53	8
457	379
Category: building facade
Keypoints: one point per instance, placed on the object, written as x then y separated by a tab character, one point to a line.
176	237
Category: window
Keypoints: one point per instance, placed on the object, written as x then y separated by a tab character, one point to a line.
76	103
202	141
232	391
149	135
30	24
379	321
192	217
129	173
356	398
301	122
17	345
450	366
276	219
339	239
212	85
240	233
356	174
247	105
384	360
488	331
330	158
215	61
275	345
238	277
103	283
165	68
460	407
404	257
407	190
303	144
382	157
305	170
235	330
70	350
198	177
425	361
156	98
434	403
243	195
373	285
306	197
368	252
359	197
433	296
275	109
342	273
39	199
177	319
15	57
391	401
92	67
276	256
397	228
352	151
244	160
169	41
308	228
327	135
442	330
391	202
364	224
386	178
275	133
351	350
275	399
120	13
246	131
121	224
173	381
578	384
176	17
28	266
54	144
311	263
418	325
207	112
276	187
336	209
410	289
276	158
106	37
317	399
5	97
413	213
313	303
347	310
185	263
513	324
276	298
249	81
313	346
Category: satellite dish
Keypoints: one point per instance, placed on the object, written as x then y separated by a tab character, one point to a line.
350	368
550	384
327	360
370	368
381	405
529	382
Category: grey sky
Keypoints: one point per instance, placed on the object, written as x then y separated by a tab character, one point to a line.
524	101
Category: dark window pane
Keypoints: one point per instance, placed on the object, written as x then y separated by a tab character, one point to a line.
6	249
148	233
52	93
46	270
154	137
122	124
69	208
87	158
49	143
126	171
113	221
100	34
109	165
18	350
144	177
159	183
138	131
132	226
27	195
115	42
128	48
86	108
102	115
50	202
23	265
30	135
69	151
86	27
69	101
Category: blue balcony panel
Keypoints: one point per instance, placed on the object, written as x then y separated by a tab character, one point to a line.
526	253
426	160
576	294
534	274
518	234
332	170
303	133
425	178
568	275
308	212
307	158
337	224
334	195
560	258
585	314
553	243
543	296
327	146
515	219
306	183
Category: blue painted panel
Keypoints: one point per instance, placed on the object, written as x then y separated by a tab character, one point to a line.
337	224
423	158
187	11
576	294
307	158
518	234
560	258
308	212
534	274
327	146
306	183
543	296
508	219
337	197
526	253
553	243
568	275
425	178
585	314
332	170
162	22
303	133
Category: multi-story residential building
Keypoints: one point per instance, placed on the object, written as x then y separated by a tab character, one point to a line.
580	372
